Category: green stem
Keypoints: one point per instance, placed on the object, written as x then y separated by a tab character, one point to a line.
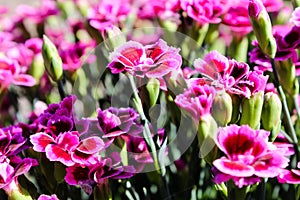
284	103
146	132
61	89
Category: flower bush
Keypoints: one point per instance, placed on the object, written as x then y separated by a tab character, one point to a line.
164	99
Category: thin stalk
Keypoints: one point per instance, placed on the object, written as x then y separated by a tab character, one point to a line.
146	132
166	187
285	110
61	90
295	98
284	103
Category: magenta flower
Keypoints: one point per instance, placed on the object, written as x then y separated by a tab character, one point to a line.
47	197
137	146
235	77
153	61
196	100
237	18
100	172
117	121
248	156
273	5
11	169
38	14
12	142
204	11
163	9
10	73
108	13
67	147
290	176
73	55
58	149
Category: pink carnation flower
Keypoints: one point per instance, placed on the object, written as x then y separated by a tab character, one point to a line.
47	197
108	13
203	11
154	61
67	148
290	176
237	18
296	17
235	77
10	73
196	100
248	156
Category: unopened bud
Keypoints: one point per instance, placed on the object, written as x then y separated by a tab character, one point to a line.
52	61
222	108
207	130
251	110
113	37
262	27
271	112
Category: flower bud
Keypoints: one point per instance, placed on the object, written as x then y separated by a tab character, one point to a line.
206	133
287	75
271	112
251	110
113	37
222	108
52	61
262	27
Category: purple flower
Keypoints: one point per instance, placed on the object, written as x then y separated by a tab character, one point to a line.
108	13
117	121
248	156
203	11
154	61
58	117
235	77
11	142
196	100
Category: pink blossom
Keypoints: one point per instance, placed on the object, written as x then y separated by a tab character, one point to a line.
108	13
203	11
196	100
296	17
290	176
67	147
163	9
73	54
10	73
99	172
237	19
235	77
38	14
273	5
11	169
47	197
248	156
153	61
